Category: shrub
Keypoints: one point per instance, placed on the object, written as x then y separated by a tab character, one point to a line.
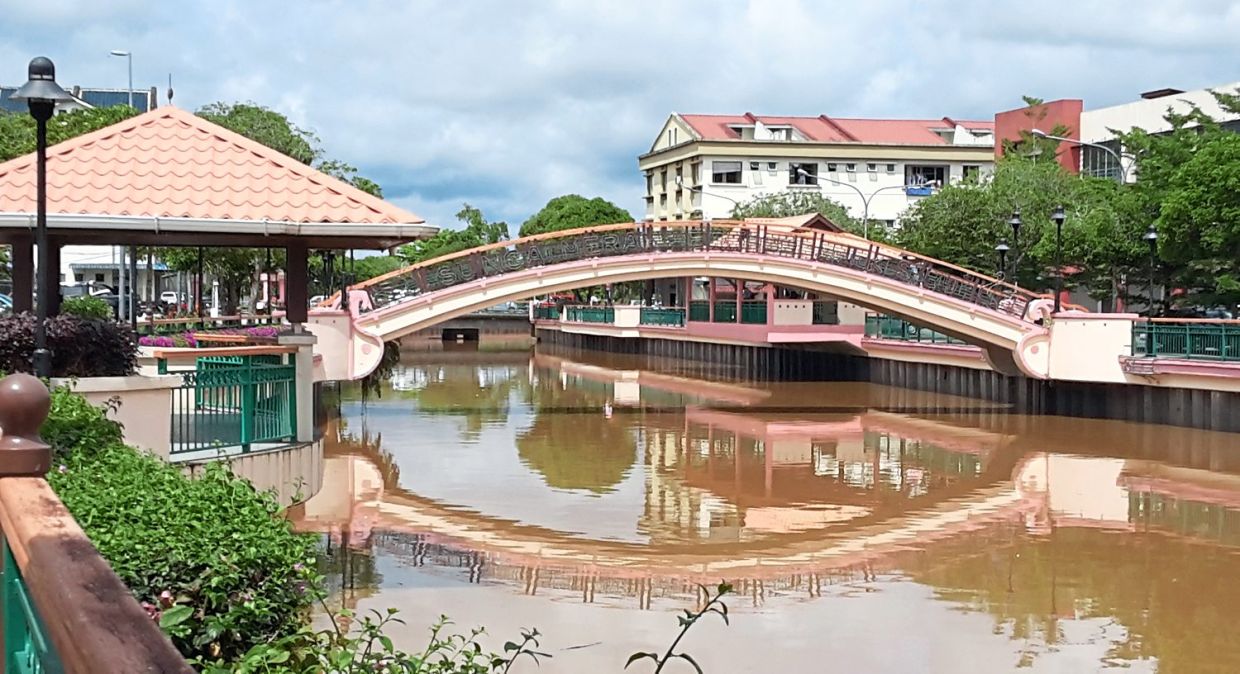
87	307
75	425
80	347
210	558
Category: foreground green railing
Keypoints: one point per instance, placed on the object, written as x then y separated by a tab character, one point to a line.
890	327
725	311
590	314
1189	340
658	316
27	647
753	312
699	310
547	313
235	401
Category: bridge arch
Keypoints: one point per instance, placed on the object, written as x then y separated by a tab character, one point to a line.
973	307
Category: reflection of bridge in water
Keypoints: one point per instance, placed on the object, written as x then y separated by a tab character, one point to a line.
784	507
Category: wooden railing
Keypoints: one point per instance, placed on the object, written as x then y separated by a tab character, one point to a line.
64	609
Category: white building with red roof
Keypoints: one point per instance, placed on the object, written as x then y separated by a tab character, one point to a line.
703	165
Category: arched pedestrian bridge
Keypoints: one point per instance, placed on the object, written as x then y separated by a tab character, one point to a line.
1001	318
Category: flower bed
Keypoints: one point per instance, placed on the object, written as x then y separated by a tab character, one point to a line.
258	334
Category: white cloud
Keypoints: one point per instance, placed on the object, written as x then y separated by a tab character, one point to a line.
507	104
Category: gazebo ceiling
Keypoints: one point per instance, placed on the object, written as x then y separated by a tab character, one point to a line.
168	177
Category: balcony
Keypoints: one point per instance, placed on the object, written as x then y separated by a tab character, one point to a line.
889	327
918	190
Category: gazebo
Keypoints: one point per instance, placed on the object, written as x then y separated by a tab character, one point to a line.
170	178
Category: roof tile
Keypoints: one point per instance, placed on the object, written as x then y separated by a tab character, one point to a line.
824	129
170	163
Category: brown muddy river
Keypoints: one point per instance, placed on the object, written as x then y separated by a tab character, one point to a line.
865	528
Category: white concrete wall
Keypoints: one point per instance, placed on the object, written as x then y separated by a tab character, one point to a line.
295	473
1087	347
1097	125
628	316
793	312
144	406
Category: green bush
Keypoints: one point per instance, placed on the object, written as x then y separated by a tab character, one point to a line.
83	306
74	425
209	557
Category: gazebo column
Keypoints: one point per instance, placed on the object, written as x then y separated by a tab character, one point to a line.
23	274
296	307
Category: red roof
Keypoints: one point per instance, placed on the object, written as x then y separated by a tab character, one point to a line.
824	129
172	164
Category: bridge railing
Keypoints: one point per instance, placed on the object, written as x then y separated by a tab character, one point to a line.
841	250
63	609
878	326
1187	338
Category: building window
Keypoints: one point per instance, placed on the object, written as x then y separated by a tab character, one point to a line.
891	168
925	175
663	179
797	173
649	184
680	177
663	201
695	170
725	172
99	278
851	168
672	136
970	171
1099	163
871	168
771	166
832	167
755	165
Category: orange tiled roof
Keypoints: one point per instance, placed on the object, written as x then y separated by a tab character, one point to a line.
169	163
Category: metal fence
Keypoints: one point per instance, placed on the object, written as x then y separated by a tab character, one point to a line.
578	314
544	313
890	327
235	402
673	317
1186	339
642	238
699	310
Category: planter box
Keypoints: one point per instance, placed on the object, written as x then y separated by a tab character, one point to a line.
144	406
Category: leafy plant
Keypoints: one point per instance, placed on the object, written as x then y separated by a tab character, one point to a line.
211	558
74	425
714	604
90	308
80	347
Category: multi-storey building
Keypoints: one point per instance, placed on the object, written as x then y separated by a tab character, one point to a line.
701	166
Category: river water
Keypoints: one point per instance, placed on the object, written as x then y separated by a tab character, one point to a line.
864	528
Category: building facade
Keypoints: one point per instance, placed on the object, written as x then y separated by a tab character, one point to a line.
1088	129
702	166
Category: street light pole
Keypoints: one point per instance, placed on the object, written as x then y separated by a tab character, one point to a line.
1151	238
1002	249
41	94
1015	223
129	57
865	199
1119	158
1058	217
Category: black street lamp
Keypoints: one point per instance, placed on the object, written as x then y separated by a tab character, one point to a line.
1058	217
1151	239
41	94
1002	249
1015	223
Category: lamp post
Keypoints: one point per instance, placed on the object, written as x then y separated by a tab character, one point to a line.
1151	239
1015	223
129	57
1058	217
865	199
1119	158
41	94
1002	249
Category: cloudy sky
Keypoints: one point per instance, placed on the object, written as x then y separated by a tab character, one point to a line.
507	103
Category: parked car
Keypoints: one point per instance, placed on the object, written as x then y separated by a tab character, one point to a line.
169	298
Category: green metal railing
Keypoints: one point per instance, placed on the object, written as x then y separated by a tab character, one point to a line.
235	401
890	327
27	647
1189	340
725	311
666	317
826	312
699	310
591	314
547	313
754	312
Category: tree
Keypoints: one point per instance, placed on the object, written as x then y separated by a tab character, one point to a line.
17	130
375	265
573	211
791	203
477	232
266	127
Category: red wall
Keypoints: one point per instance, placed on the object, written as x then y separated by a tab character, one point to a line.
1047	116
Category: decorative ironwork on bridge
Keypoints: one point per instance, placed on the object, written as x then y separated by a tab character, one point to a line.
728	236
